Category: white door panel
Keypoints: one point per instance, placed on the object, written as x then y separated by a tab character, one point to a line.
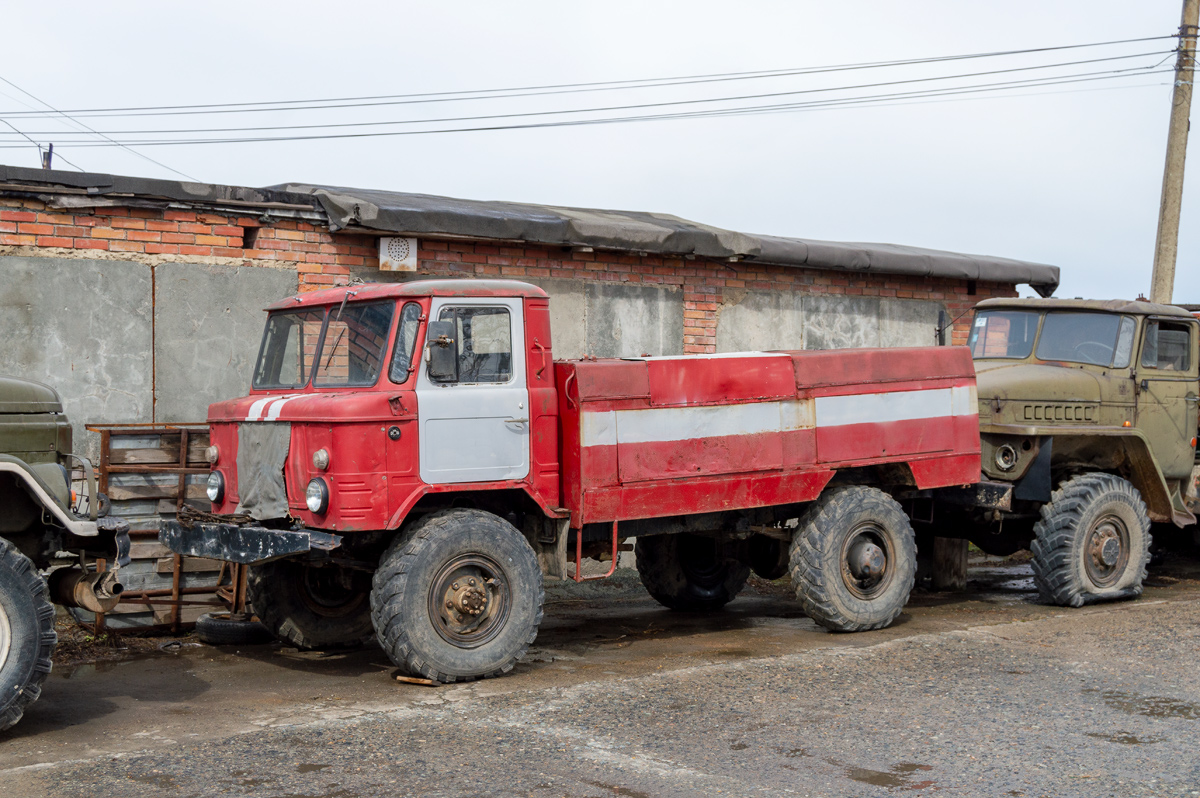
476	432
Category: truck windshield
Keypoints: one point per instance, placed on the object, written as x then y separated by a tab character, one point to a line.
289	343
1003	334
1080	338
354	343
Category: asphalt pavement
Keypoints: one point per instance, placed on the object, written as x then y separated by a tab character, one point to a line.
980	693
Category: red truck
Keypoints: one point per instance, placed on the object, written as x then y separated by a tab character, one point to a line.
411	460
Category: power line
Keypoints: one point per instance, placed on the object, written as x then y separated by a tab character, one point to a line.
549	89
643	106
39	146
705	113
107	138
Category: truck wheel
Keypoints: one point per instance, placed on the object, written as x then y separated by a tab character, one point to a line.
27	636
458	597
854	560
1092	543
310	606
688	573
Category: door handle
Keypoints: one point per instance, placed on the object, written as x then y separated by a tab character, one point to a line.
516	421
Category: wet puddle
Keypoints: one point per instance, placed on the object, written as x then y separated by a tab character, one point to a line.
307	768
899	777
1125	738
1150	706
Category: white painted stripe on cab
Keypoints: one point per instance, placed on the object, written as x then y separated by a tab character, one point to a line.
267	408
277	407
885	408
257	407
661	424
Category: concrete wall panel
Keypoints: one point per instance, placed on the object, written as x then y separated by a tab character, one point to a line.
208	327
84	328
758	320
627	320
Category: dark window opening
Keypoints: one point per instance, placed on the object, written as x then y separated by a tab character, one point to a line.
1167	346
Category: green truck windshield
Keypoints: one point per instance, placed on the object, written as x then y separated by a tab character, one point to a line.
1099	339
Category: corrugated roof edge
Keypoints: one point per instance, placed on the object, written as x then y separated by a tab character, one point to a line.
629	231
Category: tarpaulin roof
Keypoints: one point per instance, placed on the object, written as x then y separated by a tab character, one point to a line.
657	233
629	231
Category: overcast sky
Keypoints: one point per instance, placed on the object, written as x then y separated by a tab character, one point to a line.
1068	175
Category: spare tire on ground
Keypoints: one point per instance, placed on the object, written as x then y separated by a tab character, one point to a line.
220	629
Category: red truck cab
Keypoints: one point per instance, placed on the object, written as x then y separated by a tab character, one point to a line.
411	461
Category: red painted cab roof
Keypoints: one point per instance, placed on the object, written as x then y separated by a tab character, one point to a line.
416	288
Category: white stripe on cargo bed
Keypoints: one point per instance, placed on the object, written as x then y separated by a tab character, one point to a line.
683	423
885	408
661	424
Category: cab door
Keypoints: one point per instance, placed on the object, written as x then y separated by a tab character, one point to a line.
1167	393
475	427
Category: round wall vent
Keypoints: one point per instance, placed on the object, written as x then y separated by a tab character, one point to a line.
398	249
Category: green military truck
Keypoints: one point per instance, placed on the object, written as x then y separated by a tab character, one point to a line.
1088	423
50	539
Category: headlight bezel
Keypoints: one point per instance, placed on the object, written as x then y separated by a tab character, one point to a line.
215	487
316	496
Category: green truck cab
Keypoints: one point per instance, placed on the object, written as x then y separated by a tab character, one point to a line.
50	539
1088	423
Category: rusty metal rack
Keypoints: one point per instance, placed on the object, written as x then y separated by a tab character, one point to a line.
149	471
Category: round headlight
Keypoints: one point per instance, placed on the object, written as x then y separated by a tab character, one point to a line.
216	487
317	496
320	459
212	455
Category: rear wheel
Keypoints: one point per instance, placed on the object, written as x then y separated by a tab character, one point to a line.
27	636
854	560
310	606
1092	542
689	573
458	597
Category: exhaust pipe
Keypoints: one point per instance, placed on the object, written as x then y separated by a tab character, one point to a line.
72	587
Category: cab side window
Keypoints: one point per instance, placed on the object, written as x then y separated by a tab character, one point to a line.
484	337
1167	346
406	342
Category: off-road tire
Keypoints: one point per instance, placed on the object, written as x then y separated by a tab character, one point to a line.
1080	506
414	568
838	517
219	629
28	625
284	604
688	573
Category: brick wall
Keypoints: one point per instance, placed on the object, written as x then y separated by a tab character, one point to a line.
321	259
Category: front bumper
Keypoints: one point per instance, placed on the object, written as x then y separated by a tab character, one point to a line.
248	545
110	541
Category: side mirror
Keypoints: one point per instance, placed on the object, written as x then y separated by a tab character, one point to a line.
441	351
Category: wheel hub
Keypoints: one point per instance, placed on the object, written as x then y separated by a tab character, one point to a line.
866	560
469	601
5	636
469	596
1106	551
866	553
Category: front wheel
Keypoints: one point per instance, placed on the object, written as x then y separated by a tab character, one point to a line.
312	606
854	560
458	597
1092	542
27	636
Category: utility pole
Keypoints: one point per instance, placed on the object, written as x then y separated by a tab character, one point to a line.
1162	283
